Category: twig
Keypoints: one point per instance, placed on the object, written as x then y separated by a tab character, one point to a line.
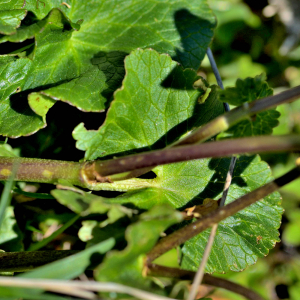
162	271
182	235
74	287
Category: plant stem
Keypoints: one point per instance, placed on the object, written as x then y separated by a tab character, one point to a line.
25	261
162	271
201	269
220	123
100	170
77	288
41	170
182	235
238	114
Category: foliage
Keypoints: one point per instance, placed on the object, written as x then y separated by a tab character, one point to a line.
139	60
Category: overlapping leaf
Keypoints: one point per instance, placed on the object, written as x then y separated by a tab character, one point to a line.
247	235
248	90
64	59
139	117
156	105
10	20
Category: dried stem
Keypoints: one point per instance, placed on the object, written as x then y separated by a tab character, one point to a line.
80	289
161	271
182	235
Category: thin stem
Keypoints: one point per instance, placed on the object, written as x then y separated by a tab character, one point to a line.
182	235
66	287
238	114
162	271
200	272
214	68
99	170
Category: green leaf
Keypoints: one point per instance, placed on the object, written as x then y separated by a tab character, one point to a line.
75	92
10	20
40	104
183	184
62	56
16	117
71	266
124	26
159	96
248	90
86	203
141	237
7	150
40	8
55	20
12	4
247	235
11	237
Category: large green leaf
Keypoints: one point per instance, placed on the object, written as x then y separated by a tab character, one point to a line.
127	266
245	236
138	119
156	104
242	238
248	90
63	58
39	8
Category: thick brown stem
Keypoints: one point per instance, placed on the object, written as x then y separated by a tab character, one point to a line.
184	234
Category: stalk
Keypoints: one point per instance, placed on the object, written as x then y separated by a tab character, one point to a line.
28	260
238	114
101	170
221	123
41	170
182	235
